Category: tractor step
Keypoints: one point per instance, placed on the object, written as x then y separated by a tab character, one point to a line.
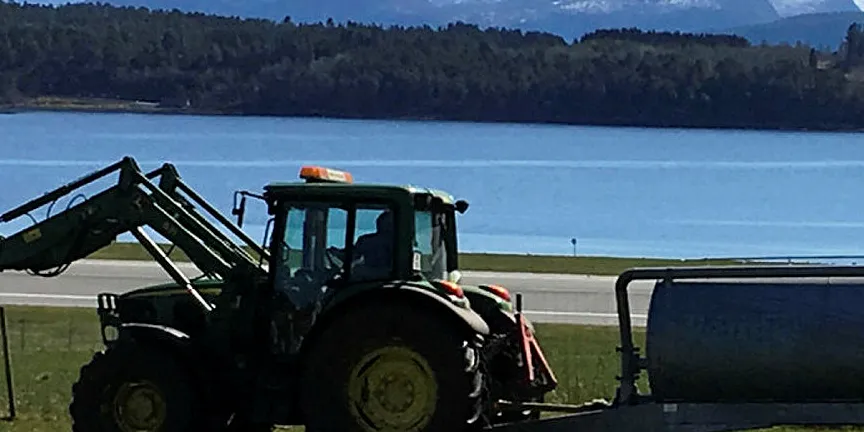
562	408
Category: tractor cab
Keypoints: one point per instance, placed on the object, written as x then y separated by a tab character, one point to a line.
333	238
330	233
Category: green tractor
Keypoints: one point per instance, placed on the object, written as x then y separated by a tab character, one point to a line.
350	318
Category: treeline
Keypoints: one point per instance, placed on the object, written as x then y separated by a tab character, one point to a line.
666	38
459	72
853	46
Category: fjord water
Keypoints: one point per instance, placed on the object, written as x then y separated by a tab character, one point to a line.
618	191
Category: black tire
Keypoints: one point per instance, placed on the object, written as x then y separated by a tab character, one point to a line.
124	371
453	380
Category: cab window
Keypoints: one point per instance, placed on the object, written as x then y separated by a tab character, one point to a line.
374	243
314	235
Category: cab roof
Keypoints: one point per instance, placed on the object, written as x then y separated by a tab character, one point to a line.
357	189
320	180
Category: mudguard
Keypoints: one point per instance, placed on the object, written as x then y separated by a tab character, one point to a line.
164	336
467	318
171	340
470	317
499	314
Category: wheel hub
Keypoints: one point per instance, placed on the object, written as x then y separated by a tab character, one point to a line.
392	389
139	407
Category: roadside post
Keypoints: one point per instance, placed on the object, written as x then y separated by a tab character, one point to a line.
7	364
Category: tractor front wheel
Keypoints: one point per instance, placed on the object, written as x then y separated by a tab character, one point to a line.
395	368
132	389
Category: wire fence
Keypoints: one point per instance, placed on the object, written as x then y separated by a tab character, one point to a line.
43	350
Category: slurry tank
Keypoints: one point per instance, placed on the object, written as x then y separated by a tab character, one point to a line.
756	341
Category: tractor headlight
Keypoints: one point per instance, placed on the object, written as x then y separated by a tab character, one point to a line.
110	333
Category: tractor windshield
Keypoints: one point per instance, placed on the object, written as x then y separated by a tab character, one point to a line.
430	244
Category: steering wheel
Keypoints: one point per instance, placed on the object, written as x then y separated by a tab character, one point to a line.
335	257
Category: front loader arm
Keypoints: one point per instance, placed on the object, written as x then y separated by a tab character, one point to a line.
134	202
48	244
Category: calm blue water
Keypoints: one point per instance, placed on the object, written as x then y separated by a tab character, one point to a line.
619	191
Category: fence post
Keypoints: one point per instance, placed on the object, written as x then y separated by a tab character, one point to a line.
7	364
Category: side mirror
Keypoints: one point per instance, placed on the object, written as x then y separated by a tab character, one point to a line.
461	206
240	210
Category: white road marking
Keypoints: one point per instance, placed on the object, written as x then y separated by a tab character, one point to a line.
48	296
84	298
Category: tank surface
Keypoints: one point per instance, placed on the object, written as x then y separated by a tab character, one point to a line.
756	341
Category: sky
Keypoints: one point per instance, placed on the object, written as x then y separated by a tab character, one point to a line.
780	5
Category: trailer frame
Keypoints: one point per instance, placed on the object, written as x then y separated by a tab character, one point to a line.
631	411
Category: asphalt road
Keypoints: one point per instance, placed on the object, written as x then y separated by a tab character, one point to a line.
575	299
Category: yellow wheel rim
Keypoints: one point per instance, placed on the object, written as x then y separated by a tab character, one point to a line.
392	389
139	407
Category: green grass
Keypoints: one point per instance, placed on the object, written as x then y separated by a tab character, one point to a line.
49	345
594	265
486	262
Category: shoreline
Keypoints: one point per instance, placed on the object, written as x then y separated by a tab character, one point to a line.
119	106
99	106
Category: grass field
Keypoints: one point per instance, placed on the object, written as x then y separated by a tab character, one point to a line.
49	345
487	262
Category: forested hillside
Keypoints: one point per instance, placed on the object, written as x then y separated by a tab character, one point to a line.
458	72
816	29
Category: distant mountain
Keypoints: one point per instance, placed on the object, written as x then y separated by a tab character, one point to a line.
569	18
820	23
670	15
578	17
819	30
788	8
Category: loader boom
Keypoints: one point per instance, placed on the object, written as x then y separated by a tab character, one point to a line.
134	202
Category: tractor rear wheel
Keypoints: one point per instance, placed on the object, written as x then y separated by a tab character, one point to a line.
395	368
131	388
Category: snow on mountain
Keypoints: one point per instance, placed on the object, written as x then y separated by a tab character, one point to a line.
606	6
573	18
569	18
787	8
